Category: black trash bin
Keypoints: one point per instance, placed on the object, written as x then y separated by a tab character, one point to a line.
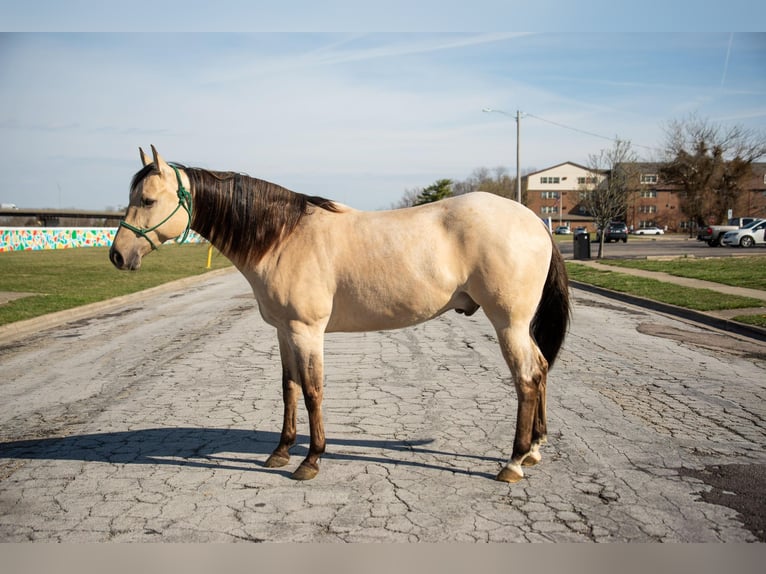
582	246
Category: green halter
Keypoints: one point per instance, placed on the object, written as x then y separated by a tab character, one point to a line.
184	201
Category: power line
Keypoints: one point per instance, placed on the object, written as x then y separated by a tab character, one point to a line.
585	131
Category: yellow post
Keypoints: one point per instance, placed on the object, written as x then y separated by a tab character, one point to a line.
209	255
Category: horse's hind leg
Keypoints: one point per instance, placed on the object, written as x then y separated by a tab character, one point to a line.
529	371
539	427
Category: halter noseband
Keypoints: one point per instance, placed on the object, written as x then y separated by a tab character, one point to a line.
184	201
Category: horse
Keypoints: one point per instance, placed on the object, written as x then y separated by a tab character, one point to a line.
317	266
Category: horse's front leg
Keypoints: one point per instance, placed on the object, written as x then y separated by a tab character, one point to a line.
309	360
290	388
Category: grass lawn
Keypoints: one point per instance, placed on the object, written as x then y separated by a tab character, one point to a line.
737	271
66	278
688	297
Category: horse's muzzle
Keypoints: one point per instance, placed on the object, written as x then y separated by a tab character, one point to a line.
116	258
119	261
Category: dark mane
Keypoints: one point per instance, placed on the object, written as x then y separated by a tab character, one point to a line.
243	216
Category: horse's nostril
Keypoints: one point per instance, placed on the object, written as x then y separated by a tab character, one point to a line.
116	258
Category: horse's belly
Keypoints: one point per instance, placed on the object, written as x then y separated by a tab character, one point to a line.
355	315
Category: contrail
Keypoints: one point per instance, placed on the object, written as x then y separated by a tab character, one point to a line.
726	63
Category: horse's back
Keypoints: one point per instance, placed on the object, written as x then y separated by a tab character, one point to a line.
494	213
483	225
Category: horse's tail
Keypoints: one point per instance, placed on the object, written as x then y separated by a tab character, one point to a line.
551	320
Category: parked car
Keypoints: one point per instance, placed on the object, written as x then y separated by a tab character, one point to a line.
713	234
563	230
580	230
649	231
615	231
752	234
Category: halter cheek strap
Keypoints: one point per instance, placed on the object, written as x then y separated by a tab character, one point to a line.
184	201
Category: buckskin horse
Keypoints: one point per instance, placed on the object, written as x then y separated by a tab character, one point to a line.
318	266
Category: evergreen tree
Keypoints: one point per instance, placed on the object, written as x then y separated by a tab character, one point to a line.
438	190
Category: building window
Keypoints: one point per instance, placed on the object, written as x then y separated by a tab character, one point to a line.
550	179
549	195
646	223
586	180
549	209
648	178
647	209
649	193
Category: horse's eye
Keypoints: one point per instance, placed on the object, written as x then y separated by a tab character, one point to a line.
146	202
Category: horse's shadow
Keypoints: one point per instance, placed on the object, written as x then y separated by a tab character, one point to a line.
232	449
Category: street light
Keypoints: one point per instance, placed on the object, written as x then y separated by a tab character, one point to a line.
517	117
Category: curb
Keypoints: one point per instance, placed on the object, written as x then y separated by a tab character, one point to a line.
727	325
20	329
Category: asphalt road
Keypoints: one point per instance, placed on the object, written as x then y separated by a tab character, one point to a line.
660	246
152	423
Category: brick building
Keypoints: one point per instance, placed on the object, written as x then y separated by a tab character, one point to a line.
557	193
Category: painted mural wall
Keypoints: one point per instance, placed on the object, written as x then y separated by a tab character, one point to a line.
36	238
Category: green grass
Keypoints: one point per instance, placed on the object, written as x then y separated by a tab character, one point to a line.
757	320
749	271
688	297
737	271
66	278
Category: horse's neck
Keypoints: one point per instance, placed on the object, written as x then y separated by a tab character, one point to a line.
245	222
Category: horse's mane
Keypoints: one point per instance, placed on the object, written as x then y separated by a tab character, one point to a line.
243	216
246	217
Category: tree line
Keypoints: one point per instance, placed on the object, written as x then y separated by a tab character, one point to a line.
496	180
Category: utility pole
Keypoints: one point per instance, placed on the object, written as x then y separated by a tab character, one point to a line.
518	146
518	156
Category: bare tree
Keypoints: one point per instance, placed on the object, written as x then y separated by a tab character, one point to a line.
495	181
613	168
709	163
408	199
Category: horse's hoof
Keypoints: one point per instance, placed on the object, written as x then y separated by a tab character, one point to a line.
532	459
304	472
510	475
277	461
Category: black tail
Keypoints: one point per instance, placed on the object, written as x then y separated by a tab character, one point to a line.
549	326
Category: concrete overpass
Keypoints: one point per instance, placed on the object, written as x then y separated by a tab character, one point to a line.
53	217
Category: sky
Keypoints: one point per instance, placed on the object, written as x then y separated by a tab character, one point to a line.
355	116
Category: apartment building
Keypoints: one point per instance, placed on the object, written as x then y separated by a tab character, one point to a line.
558	192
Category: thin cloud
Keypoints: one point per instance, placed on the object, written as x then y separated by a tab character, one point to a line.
407	48
726	62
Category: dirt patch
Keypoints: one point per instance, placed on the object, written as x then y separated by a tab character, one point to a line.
8	296
741	487
602	305
713	340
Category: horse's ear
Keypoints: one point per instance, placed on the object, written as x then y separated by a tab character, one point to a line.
145	159
159	163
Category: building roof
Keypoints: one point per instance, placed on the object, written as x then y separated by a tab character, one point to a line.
561	164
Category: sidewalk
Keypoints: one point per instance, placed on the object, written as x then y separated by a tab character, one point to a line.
719	319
